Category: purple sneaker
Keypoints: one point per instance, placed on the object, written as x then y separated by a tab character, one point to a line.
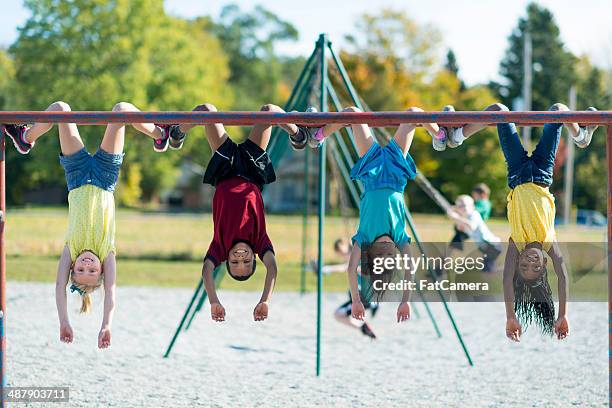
161	145
17	134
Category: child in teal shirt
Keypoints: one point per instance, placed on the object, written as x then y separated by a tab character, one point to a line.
384	171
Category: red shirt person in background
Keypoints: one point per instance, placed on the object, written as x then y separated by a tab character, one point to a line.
239	172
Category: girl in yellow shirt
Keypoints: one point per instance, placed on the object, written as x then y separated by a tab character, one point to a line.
531	214
88	259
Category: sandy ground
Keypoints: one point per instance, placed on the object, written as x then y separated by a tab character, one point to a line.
272	364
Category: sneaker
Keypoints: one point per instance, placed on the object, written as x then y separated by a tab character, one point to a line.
17	134
367	331
161	145
453	134
177	138
586	133
439	141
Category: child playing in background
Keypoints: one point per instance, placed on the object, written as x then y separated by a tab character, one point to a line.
342	314
531	214
384	172
238	172
88	259
468	221
481	193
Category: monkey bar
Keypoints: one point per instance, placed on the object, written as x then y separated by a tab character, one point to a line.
378	119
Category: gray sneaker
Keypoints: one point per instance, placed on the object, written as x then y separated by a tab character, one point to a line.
301	138
587	131
451	141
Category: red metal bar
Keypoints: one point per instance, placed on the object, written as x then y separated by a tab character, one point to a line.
312	119
2	272
609	159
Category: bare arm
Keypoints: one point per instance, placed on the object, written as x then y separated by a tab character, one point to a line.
261	310
408	275
61	281
513	327
461	221
269	261
109	267
510	264
217	311
353	265
209	281
110	284
561	271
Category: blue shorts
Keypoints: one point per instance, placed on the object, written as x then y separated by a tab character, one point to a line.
522	168
384	167
100	170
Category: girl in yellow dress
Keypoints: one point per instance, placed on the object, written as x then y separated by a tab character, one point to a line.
87	262
531	214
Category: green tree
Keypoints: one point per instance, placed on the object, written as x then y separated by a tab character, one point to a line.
95	53
553	65
452	66
250	39
591	165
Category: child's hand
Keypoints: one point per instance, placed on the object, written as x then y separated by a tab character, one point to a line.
66	334
513	329
104	338
261	312
403	312
217	312
562	327
357	310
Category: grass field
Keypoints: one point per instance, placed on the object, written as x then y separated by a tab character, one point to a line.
161	249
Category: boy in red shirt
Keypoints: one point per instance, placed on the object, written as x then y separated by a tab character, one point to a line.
239	172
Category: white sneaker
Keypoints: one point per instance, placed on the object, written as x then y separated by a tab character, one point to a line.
454	136
586	133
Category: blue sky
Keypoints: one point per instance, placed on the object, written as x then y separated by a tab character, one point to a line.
476	30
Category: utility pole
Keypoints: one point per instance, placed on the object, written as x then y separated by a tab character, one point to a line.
527	71
568	190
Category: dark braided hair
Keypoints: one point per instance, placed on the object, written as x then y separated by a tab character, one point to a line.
533	303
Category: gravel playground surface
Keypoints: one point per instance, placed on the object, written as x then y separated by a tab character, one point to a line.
272	364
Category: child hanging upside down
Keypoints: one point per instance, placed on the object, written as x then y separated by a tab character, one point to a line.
239	172
531	214
88	260
384	172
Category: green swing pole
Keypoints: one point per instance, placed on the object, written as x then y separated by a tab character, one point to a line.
180	326
296	94
323	108
218	277
442	298
305	221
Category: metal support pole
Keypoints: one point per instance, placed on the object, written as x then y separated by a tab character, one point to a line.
527	71
442	298
568	184
2	270
180	326
305	220
322	156
609	161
